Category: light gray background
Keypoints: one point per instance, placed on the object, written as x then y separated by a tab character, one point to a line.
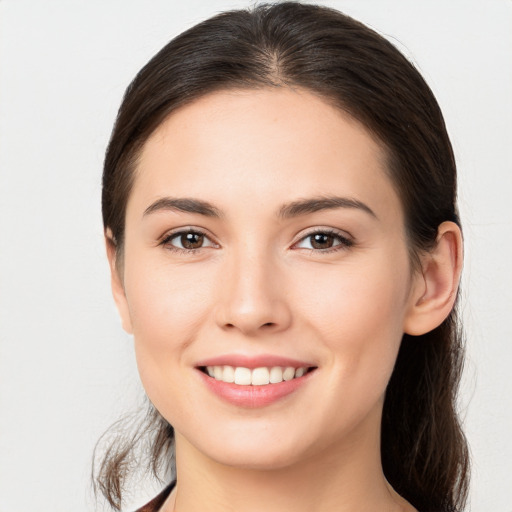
66	368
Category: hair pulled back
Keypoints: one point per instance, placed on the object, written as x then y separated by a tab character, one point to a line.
424	452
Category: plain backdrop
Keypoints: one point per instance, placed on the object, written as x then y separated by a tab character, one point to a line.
67	370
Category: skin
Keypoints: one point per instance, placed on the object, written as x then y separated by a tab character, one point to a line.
257	286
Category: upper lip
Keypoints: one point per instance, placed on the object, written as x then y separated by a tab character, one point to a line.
251	362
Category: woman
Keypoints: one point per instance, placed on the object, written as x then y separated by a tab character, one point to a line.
281	225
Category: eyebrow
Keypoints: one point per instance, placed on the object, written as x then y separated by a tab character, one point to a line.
186	205
316	204
289	210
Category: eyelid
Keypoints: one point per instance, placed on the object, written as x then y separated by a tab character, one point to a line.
347	240
169	235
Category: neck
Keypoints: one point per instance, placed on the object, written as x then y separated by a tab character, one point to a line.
339	479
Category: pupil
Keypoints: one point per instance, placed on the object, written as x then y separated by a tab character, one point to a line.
322	241
192	240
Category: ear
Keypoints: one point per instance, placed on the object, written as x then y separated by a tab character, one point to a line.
116	282
435	289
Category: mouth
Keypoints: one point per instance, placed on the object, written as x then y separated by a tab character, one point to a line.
261	376
255	381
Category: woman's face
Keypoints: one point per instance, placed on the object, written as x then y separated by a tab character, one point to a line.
263	232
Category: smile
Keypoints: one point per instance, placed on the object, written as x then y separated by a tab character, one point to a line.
255	385
257	376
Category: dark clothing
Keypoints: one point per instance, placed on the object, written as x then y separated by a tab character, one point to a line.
156	503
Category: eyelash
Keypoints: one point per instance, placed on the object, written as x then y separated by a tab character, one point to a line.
166	241
344	242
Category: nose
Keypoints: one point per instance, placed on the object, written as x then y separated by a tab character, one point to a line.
252	296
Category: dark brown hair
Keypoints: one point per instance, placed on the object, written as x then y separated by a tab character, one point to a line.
424	452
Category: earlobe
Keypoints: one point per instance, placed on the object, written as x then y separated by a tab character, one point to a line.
437	283
116	282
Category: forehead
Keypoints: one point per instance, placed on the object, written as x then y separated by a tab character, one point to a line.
268	144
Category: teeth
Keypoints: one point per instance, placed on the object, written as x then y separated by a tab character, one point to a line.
228	374
288	373
276	375
257	377
260	376
242	376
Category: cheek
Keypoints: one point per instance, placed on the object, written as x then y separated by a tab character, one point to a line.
167	309
359	317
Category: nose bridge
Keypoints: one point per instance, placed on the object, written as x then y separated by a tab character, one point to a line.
253	298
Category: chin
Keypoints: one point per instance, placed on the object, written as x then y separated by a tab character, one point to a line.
261	447
255	458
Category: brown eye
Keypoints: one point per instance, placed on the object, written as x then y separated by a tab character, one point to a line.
322	241
192	240
187	241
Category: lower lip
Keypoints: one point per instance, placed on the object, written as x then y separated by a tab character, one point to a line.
254	396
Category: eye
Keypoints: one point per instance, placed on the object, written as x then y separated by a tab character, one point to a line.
323	241
188	240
